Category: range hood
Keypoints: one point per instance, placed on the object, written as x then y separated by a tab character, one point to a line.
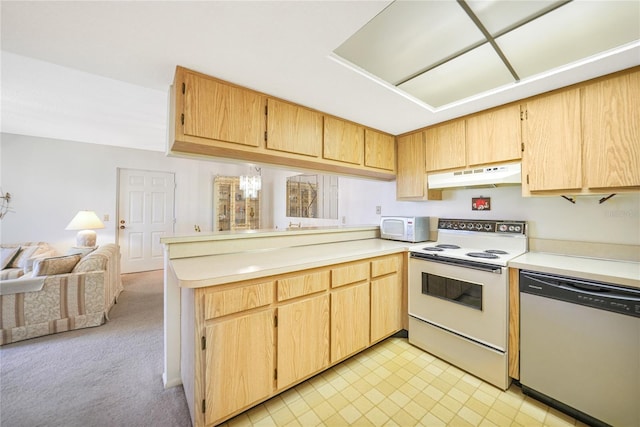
489	176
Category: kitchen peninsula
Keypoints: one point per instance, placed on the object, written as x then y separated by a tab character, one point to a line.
250	314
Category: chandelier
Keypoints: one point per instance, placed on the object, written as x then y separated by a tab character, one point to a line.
251	185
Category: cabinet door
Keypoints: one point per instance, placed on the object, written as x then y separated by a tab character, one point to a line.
239	363
343	141
410	179
552	157
379	150
215	110
445	146
386	306
611	132
303	339
494	136
349	321
293	129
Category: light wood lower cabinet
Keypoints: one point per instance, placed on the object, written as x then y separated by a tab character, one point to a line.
239	363
303	339
256	338
349	321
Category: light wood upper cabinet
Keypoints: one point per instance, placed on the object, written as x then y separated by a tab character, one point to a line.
611	132
343	141
410	177
223	112
551	132
445	146
349	320
494	136
239	362
293	129
303	339
379	150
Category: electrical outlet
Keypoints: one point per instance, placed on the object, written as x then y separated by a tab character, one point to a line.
105	217
344	219
378	210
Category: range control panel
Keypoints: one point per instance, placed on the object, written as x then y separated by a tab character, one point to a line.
483	226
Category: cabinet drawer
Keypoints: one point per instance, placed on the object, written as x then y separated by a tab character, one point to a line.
222	303
351	273
305	284
380	267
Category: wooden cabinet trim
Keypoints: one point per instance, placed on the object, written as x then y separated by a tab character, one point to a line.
350	273
300	285
382	266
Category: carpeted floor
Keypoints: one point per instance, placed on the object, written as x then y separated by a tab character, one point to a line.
110	375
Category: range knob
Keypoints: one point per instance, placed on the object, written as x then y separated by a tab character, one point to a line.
487	227
502	227
478	226
463	225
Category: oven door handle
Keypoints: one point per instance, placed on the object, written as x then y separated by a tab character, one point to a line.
458	262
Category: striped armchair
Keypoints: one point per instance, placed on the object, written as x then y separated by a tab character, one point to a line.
47	301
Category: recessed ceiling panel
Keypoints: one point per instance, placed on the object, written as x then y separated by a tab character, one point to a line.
408	37
474	72
500	15
573	32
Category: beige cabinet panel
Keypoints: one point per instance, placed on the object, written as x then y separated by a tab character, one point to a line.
218	303
611	132
494	136
304	284
215	110
349	320
303	339
445	146
379	150
386	306
552	157
239	362
293	129
343	141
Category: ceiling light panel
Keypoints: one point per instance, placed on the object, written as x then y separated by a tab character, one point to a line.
499	16
570	33
476	71
409	37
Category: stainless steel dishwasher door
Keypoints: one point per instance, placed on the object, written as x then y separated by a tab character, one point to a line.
583	357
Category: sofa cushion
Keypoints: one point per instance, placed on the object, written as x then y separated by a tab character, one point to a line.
95	261
11	273
7	255
80	251
55	265
22	256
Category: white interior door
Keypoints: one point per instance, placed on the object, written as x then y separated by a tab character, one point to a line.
145	213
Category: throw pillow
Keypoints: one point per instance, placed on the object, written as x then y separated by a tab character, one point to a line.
55	265
22	256
7	255
28	264
93	262
80	251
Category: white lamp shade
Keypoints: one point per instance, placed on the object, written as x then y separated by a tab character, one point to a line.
85	220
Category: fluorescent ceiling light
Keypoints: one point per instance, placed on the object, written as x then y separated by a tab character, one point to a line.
445	52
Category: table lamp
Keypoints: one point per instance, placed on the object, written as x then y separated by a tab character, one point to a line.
86	222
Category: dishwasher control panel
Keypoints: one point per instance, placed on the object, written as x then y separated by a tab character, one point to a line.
604	296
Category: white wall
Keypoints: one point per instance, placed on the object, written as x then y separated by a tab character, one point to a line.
50	180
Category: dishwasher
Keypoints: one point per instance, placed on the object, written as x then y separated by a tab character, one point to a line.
580	347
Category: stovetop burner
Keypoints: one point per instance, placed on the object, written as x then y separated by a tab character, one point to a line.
447	246
433	249
497	252
484	255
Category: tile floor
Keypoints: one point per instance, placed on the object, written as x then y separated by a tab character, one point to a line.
396	384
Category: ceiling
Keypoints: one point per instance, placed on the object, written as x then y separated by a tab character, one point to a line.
282	48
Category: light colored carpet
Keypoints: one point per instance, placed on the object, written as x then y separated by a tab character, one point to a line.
109	375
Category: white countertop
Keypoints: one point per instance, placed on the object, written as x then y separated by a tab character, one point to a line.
211	270
626	273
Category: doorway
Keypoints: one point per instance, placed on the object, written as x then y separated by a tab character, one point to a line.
146	212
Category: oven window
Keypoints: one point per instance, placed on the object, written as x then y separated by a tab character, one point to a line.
465	293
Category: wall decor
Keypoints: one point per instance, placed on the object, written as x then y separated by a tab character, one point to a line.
481	203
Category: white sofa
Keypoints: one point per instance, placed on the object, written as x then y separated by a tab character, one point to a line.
56	293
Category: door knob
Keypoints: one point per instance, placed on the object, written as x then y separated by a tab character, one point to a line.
122	227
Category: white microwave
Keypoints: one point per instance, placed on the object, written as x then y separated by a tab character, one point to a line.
405	228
